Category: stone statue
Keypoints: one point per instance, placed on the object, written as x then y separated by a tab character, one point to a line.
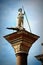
20	18
20	21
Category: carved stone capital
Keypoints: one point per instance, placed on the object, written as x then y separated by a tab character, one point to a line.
20	48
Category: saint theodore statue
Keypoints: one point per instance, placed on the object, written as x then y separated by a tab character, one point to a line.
20	18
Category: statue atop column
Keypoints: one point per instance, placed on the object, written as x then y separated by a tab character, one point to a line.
20	21
20	18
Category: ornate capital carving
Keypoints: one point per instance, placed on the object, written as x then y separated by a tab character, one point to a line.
20	48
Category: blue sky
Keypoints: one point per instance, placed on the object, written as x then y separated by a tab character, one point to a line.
8	18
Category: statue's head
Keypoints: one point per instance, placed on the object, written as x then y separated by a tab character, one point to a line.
20	10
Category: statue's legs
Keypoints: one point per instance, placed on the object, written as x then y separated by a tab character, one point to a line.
19	24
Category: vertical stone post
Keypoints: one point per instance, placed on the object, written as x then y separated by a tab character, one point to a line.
21	59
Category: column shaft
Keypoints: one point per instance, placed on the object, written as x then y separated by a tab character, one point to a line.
21	58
